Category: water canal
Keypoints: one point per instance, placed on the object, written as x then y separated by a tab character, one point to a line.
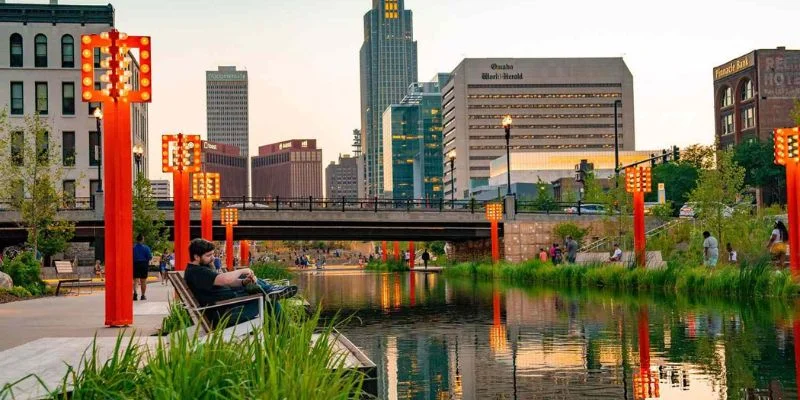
434	338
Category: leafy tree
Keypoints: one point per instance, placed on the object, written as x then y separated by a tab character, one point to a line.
437	247
700	156
148	221
592	191
544	197
569	229
760	170
30	169
717	191
679	180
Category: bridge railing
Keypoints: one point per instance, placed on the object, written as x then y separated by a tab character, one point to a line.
559	207
65	204
312	204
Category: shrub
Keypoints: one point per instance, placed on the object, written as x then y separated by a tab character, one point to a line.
25	271
570	229
271	271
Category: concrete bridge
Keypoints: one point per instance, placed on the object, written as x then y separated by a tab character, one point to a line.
461	222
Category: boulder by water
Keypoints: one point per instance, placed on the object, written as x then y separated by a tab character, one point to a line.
5	281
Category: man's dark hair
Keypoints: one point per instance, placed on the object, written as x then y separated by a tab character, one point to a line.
706	234
198	247
140	238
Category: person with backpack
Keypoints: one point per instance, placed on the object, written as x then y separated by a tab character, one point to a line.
426	257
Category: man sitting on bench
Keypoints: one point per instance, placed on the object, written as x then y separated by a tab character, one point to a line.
208	287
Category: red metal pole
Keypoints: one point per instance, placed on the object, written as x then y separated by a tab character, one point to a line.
792	211
495	243
396	250
384	252
639	239
229	247
411	250
207	219
118	213
796	333
244	252
181	224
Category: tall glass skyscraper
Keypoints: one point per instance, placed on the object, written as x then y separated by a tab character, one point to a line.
388	66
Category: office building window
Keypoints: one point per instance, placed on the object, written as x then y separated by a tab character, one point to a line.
727	124
41	98
40	51
747	90
68	192
17	104
67	51
68	98
94	142
726	98
15	50
43	147
748	117
17	148
68	148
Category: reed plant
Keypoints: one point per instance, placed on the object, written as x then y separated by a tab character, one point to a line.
272	271
285	358
388	266
748	280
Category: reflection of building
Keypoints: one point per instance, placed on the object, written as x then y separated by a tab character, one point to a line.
754	94
388	65
412	143
230	164
227	107
557	104
290	169
40	62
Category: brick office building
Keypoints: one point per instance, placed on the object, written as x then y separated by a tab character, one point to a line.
288	169
754	94
227	160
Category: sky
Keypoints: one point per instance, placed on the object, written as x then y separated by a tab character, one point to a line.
303	64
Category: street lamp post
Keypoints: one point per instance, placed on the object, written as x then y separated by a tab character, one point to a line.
138	152
507	127
617	103
117	97
98	116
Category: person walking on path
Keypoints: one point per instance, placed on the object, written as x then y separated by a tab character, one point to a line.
572	250
733	257
141	262
710	250
426	257
777	243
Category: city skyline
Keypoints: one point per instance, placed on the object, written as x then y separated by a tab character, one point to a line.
307	62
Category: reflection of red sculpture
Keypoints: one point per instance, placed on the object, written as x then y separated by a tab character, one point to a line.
412	289
497	333
645	383
638	182
116	97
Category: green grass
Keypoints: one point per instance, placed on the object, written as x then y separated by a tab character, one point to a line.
271	271
389	266
278	361
747	281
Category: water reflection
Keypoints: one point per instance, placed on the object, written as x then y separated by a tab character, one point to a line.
437	339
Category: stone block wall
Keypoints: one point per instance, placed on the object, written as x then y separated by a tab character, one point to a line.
523	239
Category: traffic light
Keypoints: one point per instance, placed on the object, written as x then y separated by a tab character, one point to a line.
676	154
664	156
652	160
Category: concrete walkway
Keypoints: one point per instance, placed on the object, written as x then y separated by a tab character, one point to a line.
76	316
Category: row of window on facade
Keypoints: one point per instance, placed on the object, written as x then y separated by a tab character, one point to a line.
17	50
68	151
748	121
745	93
41	94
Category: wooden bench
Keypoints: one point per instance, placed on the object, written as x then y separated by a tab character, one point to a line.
196	312
65	273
